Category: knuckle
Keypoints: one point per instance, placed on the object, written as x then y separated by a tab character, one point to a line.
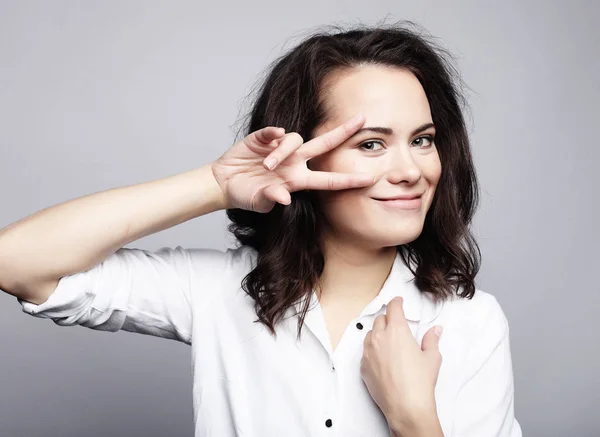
300	153
291	185
331	183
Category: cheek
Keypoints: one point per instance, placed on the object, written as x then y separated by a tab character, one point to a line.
431	168
338	206
339	161
345	208
432	172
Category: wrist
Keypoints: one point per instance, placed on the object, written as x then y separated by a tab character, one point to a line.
425	425
217	195
207	193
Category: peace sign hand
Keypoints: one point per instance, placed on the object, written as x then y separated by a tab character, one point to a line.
268	165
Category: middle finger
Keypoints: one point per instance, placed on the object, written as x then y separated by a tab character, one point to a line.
324	180
331	139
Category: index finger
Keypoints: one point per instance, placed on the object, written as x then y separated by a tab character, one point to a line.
395	313
330	140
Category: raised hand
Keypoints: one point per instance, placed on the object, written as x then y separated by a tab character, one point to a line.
268	165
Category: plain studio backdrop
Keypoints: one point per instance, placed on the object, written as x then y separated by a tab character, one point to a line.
96	95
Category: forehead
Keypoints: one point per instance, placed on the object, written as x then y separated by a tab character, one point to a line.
388	96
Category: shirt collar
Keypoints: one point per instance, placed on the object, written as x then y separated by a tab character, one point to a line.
400	282
417	305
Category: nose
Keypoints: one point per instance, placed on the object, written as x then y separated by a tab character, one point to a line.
402	168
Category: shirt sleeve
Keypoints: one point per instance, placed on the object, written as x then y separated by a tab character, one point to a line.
485	401
134	290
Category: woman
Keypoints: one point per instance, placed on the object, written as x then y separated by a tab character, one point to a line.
351	195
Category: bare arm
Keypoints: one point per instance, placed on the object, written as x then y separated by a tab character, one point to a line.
74	236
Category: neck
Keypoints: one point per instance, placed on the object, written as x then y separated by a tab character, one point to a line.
353	274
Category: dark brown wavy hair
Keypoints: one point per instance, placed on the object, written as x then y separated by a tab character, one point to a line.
290	260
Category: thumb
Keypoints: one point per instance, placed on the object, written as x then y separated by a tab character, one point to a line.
431	340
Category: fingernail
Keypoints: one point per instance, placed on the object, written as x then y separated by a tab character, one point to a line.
438	330
270	163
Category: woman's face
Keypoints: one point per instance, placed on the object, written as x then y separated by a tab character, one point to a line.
398	151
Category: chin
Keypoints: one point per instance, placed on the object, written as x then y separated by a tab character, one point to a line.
378	239
402	233
398	241
376	229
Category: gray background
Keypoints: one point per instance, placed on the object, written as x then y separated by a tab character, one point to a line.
95	95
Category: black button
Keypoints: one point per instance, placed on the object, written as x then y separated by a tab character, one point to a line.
328	423
359	325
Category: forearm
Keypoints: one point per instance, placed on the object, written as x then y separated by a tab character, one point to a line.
78	234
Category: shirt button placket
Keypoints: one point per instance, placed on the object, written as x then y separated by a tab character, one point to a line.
334	398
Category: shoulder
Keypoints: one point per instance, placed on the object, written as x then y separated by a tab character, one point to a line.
240	259
474	330
480	315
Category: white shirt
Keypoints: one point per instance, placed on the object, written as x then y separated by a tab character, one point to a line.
248	383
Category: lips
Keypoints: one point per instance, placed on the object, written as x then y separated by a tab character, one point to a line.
402	197
402	203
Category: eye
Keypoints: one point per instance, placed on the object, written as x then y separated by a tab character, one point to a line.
371	149
429	138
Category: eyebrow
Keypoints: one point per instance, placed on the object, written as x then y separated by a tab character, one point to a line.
390	131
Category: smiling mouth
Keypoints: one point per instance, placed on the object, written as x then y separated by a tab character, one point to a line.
402	197
414	203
